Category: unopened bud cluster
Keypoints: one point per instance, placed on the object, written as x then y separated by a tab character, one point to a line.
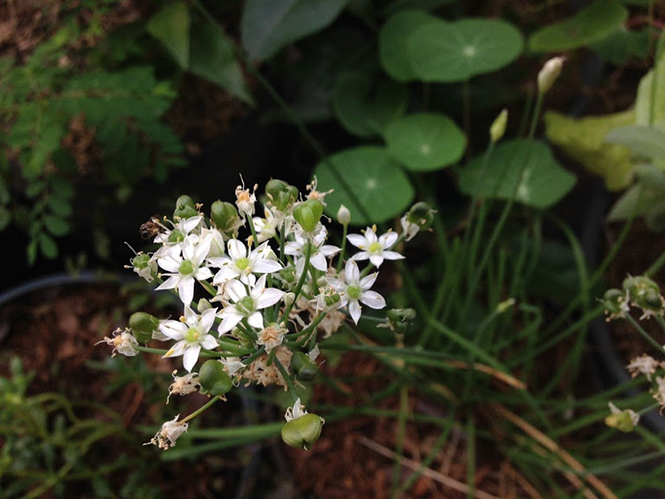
260	288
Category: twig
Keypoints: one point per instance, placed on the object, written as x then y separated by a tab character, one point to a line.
553	447
428	472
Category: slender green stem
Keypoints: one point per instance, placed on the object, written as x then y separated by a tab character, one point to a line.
644	334
301	283
200	410
287	379
401	435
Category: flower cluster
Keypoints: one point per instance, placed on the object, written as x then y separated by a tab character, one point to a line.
255	307
644	294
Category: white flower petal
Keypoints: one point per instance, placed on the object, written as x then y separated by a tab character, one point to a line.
186	290
354	310
190	357
357	240
255	320
269	297
236	249
376	260
230	320
392	255
236	290
373	299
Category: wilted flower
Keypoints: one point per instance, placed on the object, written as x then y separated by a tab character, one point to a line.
166	437
123	342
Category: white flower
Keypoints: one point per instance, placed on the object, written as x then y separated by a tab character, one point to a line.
123	342
240	265
354	290
374	248
644	364
191	333
266	228
182	228
170	432
183	269
245	200
247	305
217	246
319	252
295	412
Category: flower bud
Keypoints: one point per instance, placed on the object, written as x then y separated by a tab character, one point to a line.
184	207
498	127
144	266
303	431
343	215
143	325
281	194
224	215
616	304
399	319
214	379
304	367
625	420
645	294
549	73
308	214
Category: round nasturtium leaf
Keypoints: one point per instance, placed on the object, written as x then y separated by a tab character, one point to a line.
597	21
450	52
521	169
392	42
425	141
366	180
363	107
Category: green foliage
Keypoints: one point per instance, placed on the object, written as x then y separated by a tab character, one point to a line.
51	442
41	98
269	26
425	141
361	177
592	24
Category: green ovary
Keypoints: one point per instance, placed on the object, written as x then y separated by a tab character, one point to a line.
242	263
186	268
375	248
192	335
354	292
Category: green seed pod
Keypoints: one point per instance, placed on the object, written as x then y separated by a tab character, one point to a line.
303	367
624	421
184	207
308	214
421	215
614	301
224	215
302	432
143	325
281	194
214	379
